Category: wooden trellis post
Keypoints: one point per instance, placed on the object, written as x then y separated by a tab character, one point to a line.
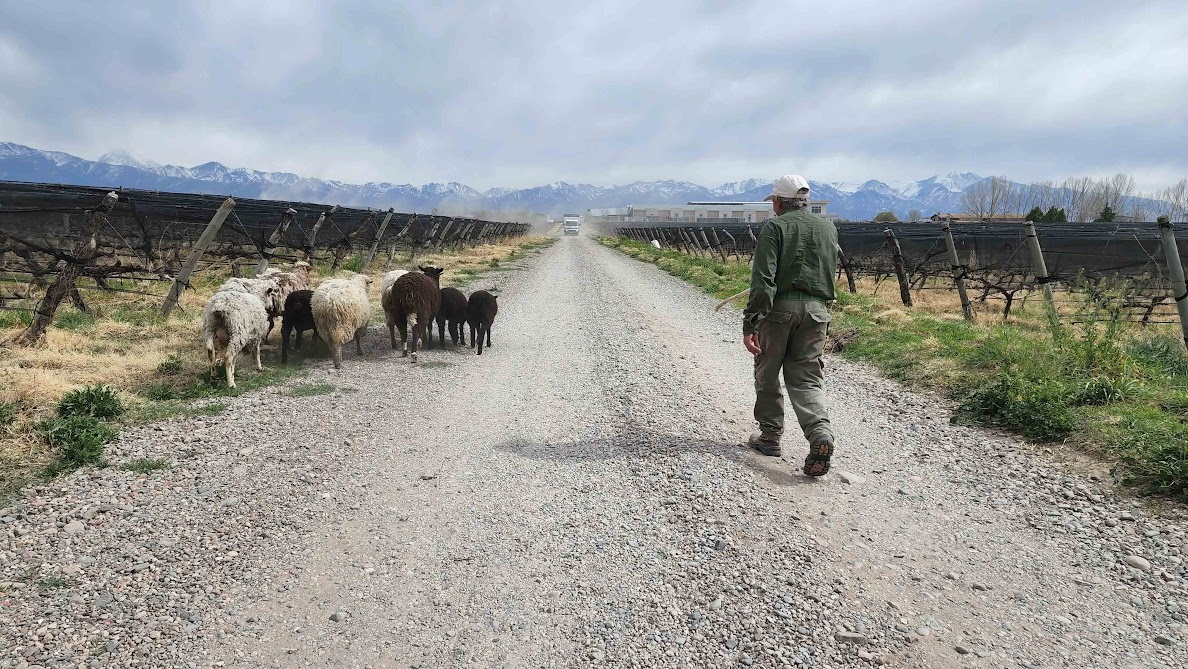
286	219
208	235
312	238
734	244
379	234
718	244
1041	269
958	272
1175	266
845	264
63	285
905	290
444	233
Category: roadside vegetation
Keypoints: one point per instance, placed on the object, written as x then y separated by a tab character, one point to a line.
120	364
1099	384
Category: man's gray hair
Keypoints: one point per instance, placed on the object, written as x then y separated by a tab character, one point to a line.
793	202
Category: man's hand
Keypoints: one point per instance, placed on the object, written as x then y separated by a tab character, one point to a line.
751	341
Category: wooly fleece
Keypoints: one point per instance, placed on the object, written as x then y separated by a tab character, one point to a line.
341	309
233	320
390	280
260	288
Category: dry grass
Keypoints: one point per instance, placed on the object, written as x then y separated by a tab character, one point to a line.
123	342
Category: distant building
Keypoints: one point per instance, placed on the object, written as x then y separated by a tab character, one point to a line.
967	218
693	212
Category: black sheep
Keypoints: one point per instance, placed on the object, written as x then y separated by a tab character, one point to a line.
297	316
480	314
452	311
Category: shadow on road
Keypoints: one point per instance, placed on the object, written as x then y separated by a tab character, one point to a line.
648	444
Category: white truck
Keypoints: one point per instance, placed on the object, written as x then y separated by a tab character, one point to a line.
571	224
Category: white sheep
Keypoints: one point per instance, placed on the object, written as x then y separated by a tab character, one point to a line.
266	289
233	320
342	311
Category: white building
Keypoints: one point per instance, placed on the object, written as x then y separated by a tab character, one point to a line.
692	212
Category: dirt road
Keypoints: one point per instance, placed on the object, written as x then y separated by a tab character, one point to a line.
577	496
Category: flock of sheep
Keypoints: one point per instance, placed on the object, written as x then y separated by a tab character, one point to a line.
241	314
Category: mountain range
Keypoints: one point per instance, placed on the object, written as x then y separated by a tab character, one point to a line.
119	169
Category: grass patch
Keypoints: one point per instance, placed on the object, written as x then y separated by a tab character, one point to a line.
99	402
170	365
53	583
434	364
310	389
1096	382
8	413
73	319
79	441
146	465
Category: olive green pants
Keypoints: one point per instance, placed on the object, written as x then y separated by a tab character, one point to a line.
792	340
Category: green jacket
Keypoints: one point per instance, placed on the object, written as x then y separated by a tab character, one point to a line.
795	258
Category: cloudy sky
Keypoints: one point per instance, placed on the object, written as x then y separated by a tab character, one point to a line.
523	92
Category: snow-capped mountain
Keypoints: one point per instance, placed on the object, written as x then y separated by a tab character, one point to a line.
857	201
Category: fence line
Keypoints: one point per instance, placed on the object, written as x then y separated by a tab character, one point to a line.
56	234
1130	266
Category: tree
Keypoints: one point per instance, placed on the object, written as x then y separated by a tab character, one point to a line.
1054	215
988	198
915	215
1107	215
1176	200
886	217
1036	215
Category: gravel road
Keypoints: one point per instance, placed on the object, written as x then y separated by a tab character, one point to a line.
577	496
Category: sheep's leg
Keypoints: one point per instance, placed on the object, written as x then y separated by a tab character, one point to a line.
426	332
487	330
298	343
336	354
441	332
417	333
472	340
481	327
403	325
285	332
259	365
229	366
210	357
359	342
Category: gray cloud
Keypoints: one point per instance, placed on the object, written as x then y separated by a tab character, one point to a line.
524	92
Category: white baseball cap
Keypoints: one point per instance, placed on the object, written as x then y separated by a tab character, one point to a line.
789	185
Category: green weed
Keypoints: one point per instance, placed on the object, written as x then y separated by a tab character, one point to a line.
79	441
73	319
172	364
100	402
146	465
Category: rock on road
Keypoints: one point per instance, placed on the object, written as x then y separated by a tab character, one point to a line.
577	496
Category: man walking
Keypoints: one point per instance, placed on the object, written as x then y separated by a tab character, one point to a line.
786	320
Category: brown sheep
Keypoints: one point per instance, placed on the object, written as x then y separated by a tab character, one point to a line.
480	314
414	297
452	311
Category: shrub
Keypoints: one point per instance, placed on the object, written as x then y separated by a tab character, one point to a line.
354	264
1035	408
1165	355
79	440
99	402
172	364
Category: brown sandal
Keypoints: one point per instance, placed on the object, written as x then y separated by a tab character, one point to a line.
817	462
